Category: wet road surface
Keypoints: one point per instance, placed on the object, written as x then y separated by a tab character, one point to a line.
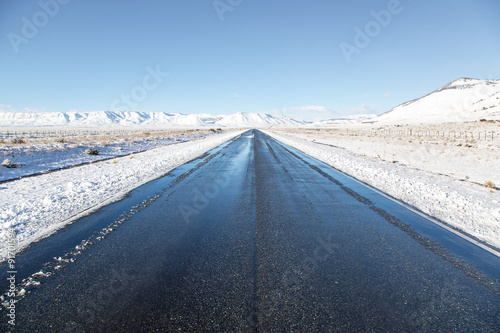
256	236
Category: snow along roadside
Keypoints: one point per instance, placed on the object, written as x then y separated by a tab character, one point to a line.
468	207
38	206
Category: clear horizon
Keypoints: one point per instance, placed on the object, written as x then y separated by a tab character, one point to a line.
308	61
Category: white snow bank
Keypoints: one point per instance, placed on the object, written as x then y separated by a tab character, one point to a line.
469	207
38	206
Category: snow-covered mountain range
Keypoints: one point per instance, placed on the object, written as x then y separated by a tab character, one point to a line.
460	100
354	119
146	119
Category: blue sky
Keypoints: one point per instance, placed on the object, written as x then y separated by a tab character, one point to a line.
306	59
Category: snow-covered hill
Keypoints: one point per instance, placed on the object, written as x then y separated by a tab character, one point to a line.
461	100
146	119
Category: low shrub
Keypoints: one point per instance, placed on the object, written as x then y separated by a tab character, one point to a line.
489	184
92	151
9	164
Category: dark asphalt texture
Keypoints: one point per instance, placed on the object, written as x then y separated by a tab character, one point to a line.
258	237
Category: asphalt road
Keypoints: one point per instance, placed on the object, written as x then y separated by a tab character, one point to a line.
256	236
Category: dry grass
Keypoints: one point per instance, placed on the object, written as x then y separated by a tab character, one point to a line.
86	136
489	184
18	141
439	134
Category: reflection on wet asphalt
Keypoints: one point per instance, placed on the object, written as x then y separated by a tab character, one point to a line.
258	237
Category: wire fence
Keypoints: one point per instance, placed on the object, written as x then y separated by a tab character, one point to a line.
451	134
7	135
428	134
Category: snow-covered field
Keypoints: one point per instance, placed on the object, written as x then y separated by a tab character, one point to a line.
452	179
462	151
40	152
36	207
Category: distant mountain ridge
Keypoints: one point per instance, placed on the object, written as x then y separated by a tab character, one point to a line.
461	100
145	119
354	119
